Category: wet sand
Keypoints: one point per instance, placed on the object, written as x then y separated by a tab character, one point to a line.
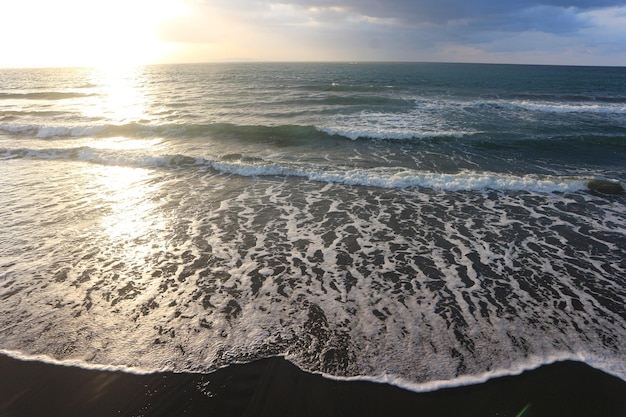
275	387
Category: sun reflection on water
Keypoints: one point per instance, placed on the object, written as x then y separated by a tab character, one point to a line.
132	224
119	95
131	217
121	143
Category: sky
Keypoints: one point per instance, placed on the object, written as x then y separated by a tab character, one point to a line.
37	33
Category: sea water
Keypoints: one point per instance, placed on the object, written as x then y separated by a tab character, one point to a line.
426	225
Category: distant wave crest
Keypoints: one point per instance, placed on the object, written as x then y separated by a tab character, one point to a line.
44	95
216	130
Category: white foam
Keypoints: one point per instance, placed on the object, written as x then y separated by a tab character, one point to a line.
435	118
565	107
77	363
53	132
547	106
134	157
517	368
381	132
463	181
16	128
382	177
426	121
407	178
267	239
46	132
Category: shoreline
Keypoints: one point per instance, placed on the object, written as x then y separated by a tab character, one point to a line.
275	387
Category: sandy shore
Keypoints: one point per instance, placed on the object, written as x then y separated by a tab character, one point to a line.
274	387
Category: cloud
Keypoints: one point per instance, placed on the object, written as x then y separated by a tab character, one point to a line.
528	31
440	11
550	16
489	30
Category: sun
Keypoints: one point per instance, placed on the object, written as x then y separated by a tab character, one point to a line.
85	33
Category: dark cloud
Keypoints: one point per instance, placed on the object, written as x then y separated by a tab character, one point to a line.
447	9
557	16
548	15
435	29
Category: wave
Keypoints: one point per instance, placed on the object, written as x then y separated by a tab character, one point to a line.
103	157
394	133
370	100
366	126
229	130
47	95
380	177
569	107
550	103
337	87
219	130
563	98
515	104
82	131
36	113
389	177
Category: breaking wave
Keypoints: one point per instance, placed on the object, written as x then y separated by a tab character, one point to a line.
381	177
362	128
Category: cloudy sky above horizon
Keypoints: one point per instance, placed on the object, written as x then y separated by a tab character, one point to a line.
102	32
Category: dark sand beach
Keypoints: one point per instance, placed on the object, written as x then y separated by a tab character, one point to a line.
274	387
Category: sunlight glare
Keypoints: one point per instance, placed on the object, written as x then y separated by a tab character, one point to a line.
123	144
134	221
119	98
85	33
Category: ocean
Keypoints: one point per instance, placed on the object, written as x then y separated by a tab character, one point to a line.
424	225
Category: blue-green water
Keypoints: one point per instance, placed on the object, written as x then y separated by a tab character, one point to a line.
422	224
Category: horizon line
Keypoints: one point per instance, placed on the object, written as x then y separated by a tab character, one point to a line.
321	61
